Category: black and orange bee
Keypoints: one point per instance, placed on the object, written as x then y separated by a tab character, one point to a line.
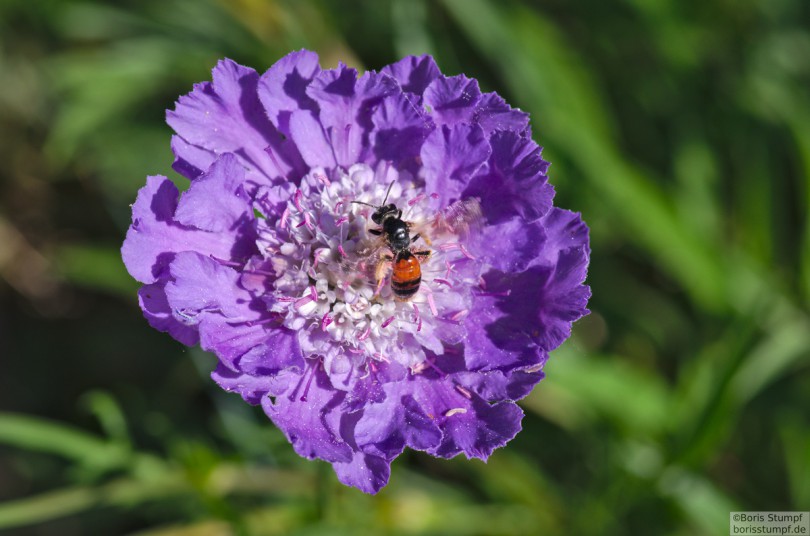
402	256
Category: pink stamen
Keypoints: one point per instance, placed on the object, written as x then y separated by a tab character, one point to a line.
363	336
449	268
309	383
338	205
381	357
311	227
286	299
419	368
325	321
459	315
297	200
418	318
261	322
464	391
482	282
387	321
356	351
341	221
323	179
342	251
300	302
259	272
313	293
284	217
224	262
432	304
434	195
449	246
443	282
416	199
466	253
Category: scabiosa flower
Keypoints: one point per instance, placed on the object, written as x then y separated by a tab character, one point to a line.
270	260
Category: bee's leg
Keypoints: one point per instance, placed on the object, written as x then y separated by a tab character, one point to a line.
421	254
382	267
376	232
417	236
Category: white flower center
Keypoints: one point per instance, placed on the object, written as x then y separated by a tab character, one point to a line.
327	262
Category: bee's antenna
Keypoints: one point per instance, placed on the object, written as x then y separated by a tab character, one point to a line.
387	192
362	203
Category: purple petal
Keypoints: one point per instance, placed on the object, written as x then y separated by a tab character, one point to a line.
564	299
497	386
216	201
308	135
154	236
283	88
366	472
400	130
492	114
480	429
201	284
398	421
509	246
451	156
226	117
452	99
516	183
155	306
414	73
302	411
346	107
251	388
564	230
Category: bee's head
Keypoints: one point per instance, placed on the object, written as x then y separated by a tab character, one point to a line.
383	212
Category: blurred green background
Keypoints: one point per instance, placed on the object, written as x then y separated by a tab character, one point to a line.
679	128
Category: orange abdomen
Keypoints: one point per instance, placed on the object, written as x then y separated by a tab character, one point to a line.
406	276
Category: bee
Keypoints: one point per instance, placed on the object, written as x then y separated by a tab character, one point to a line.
402	256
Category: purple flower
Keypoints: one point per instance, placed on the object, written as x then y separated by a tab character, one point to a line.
268	262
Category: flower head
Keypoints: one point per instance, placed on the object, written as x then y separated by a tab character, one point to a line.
276	258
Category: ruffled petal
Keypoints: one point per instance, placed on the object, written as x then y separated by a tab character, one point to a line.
452	99
304	410
366	472
524	244
400	129
451	155
516	183
251	387
493	114
480	429
308	134
217	201
414	73
156	310
155	236
283	88
226	116
386	428
346	107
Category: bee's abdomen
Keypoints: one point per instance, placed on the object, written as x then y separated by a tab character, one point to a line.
406	276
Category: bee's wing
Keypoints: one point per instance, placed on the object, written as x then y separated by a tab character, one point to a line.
462	218
366	258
